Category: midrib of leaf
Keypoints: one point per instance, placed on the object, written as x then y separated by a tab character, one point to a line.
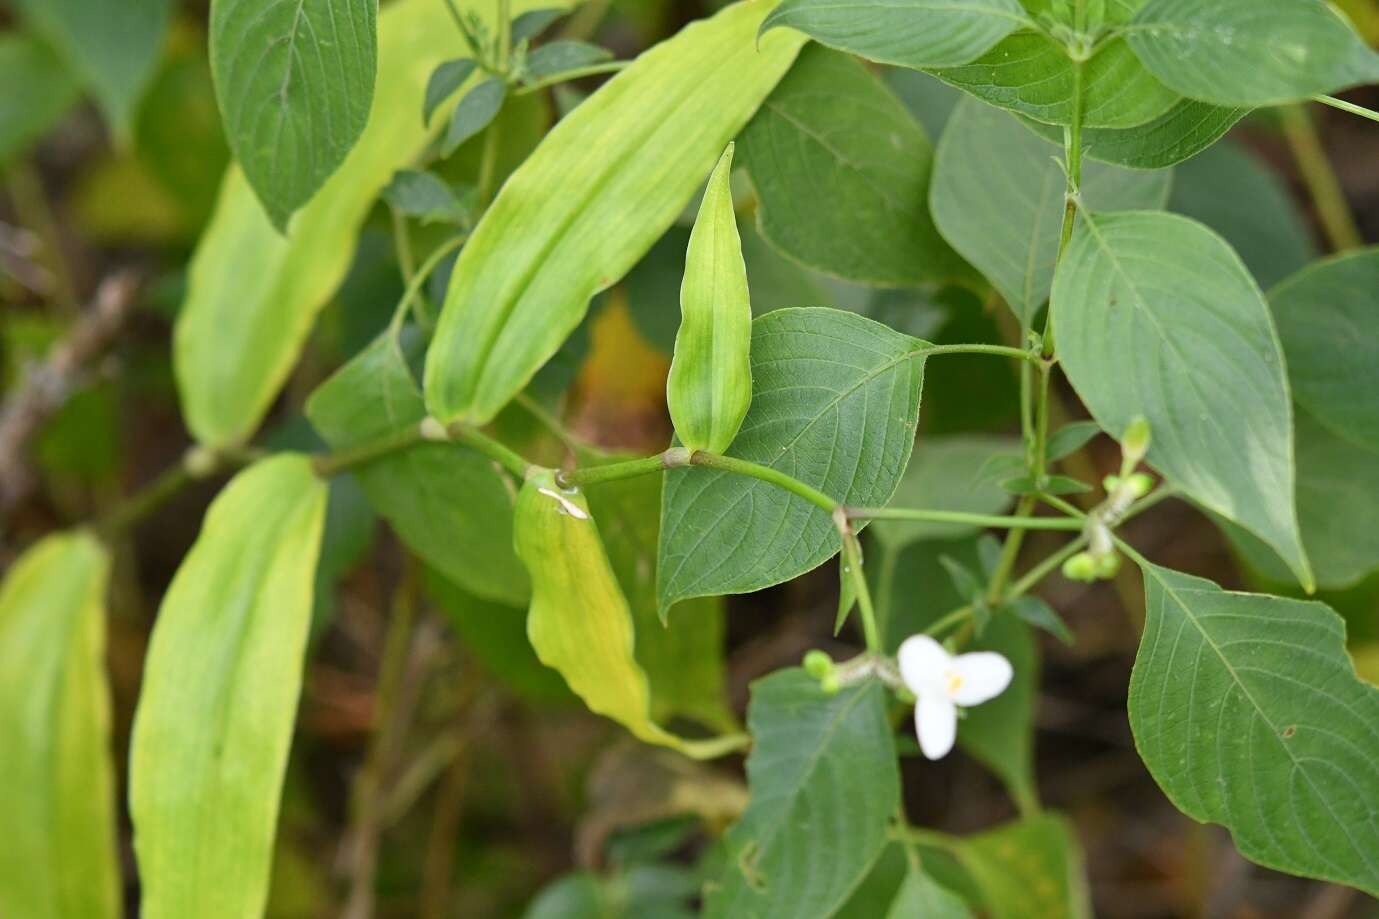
994	12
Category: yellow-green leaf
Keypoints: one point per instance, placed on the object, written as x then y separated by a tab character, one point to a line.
253	293
599	191
579	621
221	682
58	858
710	384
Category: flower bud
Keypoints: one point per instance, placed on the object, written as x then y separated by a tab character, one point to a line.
818	664
1081	567
1135	444
830	684
1107	566
1140	484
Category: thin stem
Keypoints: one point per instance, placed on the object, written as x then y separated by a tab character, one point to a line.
956	617
921	837
593	475
500	453
419	279
1322	184
550	422
158	493
1009	553
977	520
998	350
488	166
885	583
852	567
1046	567
402	243
333	464
766	474
504	33
577	73
1041	436
1349	107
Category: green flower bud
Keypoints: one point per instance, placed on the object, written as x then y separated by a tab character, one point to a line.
830	684
1135	444
1111	483
1107	566
1081	567
1140	484
818	664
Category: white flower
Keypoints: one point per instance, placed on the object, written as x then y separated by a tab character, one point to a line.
942	682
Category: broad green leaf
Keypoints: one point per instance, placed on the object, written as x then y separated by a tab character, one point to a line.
444	81
1248	713
841	171
562	56
627	161
998	198
1030	868
1250	52
1032	75
943	476
1185	130
710	383
427	197
922	896
579	621
294	82
59	859
835	402
474	112
824	786
1328	318
27	116
1157	317
1229	190
113	46
253	293
910	33
450	505
219	697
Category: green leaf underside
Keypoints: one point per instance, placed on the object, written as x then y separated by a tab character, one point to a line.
59	858
824	786
426	196
1251	52
294	79
444	81
1185	130
835	402
922	896
1033	76
908	33
841	171
474	112
630	158
562	56
1030	868
1156	316
998	198
220	693
26	117
1249	714
942	476
447	503
253	293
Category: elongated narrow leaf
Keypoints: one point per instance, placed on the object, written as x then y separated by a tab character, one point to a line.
252	292
294	82
1185	130
59	858
841	171
998	198
474	112
1157	317
922	896
1251	52
563	56
1249	714
1032	75
910	33
835	402
450	505
710	383
26	116
221	682
627	162
579	621
1030	868
824	787
113	46
444	80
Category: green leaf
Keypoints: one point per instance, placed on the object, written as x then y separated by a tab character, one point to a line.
710	382
450	505
219	697
561	56
1070	438
474	112
1032	75
1042	616
631	156
532	23
921	896
1248	713
1231	191
1251	52
1156	316
294	82
824	787
445	80
1185	130
252	293
1328	318
835	402
998	198
1030	868
27	116
942	476
59	859
427	197
910	33
841	171
113	46
579	621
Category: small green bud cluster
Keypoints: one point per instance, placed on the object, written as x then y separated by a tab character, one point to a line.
1089	568
821	667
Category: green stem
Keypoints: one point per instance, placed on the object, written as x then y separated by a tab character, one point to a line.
1048	566
144	502
333	464
1350	107
998	350
852	567
977	520
1009	553
922	837
500	453
765	474
956	617
550	422
885	584
418	280
1041	436
577	73
1322	184
593	475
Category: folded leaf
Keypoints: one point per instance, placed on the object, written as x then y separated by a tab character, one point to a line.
627	161
1156	316
1248	713
219	697
59	859
710	383
579	621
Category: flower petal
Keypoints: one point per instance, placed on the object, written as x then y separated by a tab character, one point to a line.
936	724
982	676
922	662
